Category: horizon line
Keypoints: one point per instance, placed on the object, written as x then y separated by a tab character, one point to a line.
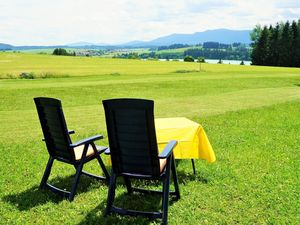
119	43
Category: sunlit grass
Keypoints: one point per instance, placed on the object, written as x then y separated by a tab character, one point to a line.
251	116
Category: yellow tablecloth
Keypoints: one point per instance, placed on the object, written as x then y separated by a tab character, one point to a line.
192	140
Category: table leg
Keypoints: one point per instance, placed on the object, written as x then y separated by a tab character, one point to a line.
193	164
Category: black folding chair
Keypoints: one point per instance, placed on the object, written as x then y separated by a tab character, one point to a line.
134	153
60	147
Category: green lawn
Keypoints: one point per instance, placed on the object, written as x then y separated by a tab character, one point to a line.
251	116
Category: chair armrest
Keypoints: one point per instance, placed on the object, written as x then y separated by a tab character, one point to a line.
69	131
107	151
168	150
86	141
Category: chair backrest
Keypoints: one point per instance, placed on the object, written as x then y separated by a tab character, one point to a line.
131	135
54	128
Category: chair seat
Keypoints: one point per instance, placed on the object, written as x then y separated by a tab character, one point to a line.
162	164
78	151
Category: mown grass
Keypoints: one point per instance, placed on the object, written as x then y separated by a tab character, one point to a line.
251	116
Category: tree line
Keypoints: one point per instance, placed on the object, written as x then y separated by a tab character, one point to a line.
62	51
209	50
238	53
173	46
277	45
216	45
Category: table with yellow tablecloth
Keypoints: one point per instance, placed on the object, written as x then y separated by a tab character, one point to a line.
191	137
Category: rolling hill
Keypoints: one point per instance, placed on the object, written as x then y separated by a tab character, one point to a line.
219	35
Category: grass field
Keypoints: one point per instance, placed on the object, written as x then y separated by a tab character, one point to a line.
251	116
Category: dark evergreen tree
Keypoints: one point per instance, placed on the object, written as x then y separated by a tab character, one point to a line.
298	52
255	34
276	46
295	51
260	48
285	46
269	53
273	55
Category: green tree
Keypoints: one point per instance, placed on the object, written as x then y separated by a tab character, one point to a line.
201	60
188	58
269	53
295	50
285	46
133	55
298	53
277	46
260	48
60	51
255	33
273	53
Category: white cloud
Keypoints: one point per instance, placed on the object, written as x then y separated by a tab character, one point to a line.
105	21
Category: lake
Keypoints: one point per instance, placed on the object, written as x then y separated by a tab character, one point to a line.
215	61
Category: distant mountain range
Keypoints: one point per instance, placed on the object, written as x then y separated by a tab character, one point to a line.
83	43
224	36
5	46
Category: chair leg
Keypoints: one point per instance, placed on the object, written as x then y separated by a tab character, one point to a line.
166	187
128	184
47	172
76	181
194	169
103	168
111	193
100	162
175	180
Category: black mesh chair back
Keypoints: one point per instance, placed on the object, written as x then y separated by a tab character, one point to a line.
134	153
54	128
131	134
61	148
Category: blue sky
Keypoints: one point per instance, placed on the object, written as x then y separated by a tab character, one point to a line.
51	22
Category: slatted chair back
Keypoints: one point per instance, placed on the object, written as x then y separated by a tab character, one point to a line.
132	138
54	128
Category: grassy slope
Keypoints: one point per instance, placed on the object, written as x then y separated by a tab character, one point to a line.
177	50
251	115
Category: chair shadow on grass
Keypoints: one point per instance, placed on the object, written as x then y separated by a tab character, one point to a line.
136	201
139	201
184	177
34	196
187	176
